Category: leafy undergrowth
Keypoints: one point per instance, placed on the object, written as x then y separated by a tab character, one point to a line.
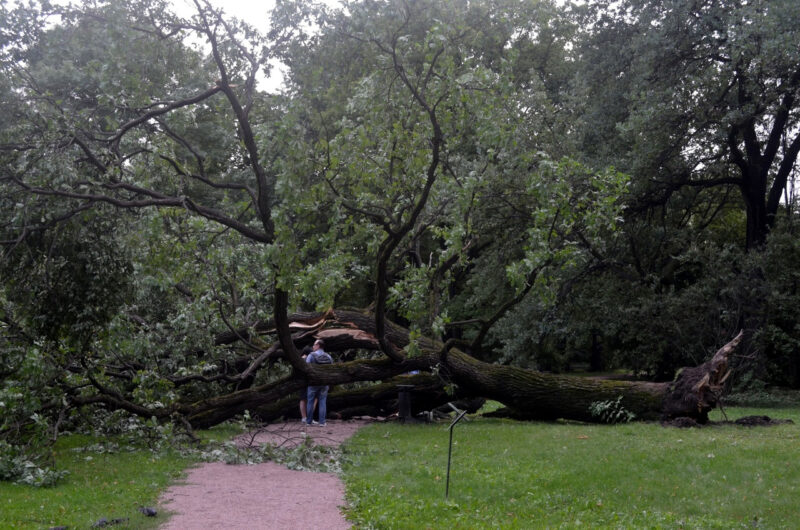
303	457
763	397
105	481
507	474
106	477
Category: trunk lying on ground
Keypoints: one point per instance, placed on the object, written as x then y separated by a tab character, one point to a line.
527	393
375	400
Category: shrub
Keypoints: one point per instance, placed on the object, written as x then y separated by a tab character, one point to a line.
611	411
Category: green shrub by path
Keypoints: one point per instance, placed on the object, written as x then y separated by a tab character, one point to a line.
508	474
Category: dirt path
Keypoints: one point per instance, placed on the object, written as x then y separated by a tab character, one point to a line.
262	496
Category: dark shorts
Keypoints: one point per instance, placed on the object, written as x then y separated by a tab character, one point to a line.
303	393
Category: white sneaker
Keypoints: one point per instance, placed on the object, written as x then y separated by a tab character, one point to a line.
315	422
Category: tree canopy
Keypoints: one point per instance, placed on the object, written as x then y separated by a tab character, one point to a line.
470	189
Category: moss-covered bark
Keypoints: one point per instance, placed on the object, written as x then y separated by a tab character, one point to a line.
535	395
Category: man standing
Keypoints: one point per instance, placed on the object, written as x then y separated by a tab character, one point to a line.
304	390
318	356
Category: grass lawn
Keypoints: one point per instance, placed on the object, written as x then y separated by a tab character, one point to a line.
507	474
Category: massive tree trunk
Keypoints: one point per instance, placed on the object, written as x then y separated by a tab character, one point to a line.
527	393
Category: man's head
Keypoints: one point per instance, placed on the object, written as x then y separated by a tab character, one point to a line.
318	345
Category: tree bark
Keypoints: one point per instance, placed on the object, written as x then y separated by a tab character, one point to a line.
376	400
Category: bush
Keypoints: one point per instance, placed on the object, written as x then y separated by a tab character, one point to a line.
17	468
611	411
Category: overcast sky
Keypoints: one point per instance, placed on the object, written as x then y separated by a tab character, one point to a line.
254	12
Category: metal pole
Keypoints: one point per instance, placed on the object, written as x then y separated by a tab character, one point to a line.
450	453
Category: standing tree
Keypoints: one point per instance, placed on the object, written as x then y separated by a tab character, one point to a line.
697	102
698	94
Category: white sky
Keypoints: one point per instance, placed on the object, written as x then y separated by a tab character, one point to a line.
254	12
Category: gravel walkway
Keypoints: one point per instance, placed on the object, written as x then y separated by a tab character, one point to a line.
262	496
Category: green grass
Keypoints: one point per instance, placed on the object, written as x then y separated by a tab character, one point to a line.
99	485
507	474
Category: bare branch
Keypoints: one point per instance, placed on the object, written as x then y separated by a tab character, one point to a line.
156	200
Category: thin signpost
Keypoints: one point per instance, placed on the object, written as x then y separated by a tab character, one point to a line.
450	452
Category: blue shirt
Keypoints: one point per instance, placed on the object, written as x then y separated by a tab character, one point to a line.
319	357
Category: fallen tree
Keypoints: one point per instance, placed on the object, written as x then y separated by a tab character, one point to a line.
527	393
448	195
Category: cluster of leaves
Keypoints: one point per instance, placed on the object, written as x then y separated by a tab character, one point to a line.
611	411
67	283
305	456
759	395
17	467
654	326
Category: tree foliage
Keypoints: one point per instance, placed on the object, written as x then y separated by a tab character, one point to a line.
702	94
524	181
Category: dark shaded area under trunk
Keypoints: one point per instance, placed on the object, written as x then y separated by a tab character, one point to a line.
747	421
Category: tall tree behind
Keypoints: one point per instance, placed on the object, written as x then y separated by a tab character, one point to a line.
699	94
